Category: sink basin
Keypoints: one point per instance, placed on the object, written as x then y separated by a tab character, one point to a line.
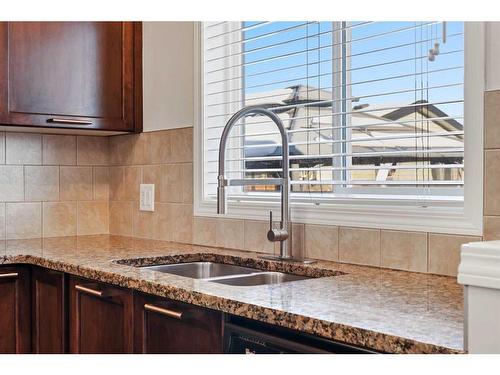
261	278
227	274
202	270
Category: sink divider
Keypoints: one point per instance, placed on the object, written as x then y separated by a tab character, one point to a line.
239	275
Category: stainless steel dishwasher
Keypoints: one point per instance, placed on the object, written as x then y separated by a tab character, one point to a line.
245	336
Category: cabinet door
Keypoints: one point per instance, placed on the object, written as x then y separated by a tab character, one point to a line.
165	326
70	74
15	321
101	318
49	311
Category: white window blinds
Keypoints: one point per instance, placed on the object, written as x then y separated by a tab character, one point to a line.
371	108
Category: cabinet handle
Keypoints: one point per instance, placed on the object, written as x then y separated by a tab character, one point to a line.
69	121
97	293
8	275
162	311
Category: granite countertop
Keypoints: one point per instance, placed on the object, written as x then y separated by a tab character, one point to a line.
386	310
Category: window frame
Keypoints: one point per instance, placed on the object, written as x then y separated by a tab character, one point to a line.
453	216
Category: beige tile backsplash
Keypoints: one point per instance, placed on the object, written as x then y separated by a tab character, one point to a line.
23	148
403	250
59	219
101	183
491	119
255	237
93	217
11	183
2	221
59	149
144	223
322	242
76	183
359	246
205	231
491	182
131	181
230	233
121	218
491	228
92	151
2	148
181	218
53	185
444	252
164	224
41	183
23	220
161	148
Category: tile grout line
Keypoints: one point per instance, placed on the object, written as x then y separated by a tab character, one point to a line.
4	208
92	172
77	201
24	183
338	243
42	231
380	247
428	253
4	141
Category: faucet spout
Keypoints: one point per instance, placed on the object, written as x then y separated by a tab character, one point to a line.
284	234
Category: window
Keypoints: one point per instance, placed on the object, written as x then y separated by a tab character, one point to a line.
375	115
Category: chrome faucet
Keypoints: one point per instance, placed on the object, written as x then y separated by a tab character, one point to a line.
283	234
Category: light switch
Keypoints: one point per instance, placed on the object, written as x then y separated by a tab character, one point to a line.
147	197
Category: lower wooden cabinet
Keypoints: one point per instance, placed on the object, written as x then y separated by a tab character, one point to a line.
44	311
15	324
169	327
49	311
101	318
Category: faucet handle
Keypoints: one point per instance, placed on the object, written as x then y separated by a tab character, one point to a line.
273	234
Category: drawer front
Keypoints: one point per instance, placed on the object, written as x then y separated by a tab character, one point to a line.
166	326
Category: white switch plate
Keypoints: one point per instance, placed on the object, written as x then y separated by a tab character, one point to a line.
147	197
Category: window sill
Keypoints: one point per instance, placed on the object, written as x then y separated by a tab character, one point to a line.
447	217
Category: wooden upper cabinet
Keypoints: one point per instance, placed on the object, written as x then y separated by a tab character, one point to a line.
83	75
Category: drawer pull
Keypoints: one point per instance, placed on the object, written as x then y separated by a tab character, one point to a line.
83	289
8	275
69	121
162	311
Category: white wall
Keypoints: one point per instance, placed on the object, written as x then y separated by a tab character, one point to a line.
493	56
168	67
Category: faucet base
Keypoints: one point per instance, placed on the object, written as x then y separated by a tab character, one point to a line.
291	259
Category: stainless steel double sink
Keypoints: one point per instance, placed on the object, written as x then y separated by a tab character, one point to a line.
227	274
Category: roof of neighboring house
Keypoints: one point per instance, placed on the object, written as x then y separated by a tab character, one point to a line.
425	110
370	122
